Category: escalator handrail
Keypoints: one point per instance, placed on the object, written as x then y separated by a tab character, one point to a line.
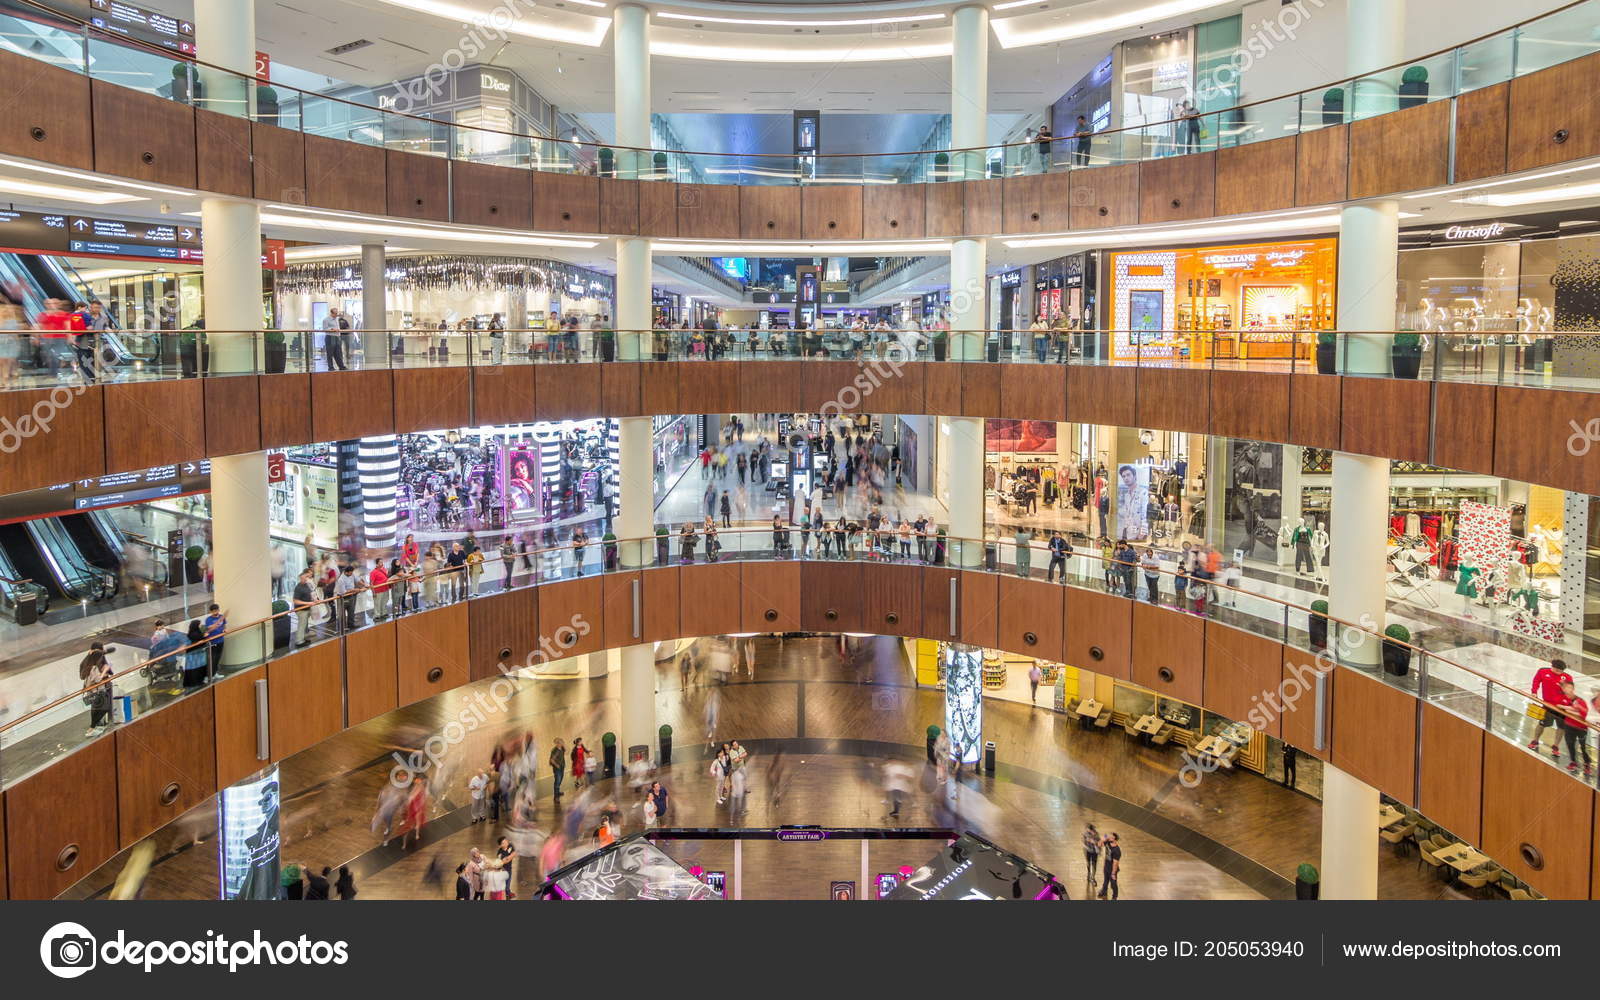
86	574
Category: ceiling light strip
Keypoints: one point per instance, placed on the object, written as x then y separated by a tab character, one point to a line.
806	23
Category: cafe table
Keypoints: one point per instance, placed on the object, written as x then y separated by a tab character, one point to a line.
1388	815
1150	724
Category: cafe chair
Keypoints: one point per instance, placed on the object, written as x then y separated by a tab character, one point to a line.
1521	895
1128	724
1161	737
1475	882
1103	720
1396	835
1425	856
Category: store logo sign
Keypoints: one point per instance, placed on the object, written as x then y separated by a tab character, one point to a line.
488	82
1486	231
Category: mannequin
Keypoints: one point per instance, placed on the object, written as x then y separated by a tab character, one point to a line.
1467	583
1320	543
1302	536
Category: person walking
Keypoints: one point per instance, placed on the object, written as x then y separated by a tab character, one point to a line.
1059	550
1091	851
657	794
346	884
1113	868
1035	675
216	623
416	812
1547	687
303	603
725	508
197	657
558	763
476	788
580	762
1575	729
1290	755
346	589
1150	563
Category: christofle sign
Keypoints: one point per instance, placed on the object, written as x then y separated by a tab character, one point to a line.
1486	231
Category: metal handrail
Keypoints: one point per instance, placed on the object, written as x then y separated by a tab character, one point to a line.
89	29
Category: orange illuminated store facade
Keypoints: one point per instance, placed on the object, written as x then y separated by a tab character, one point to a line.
1248	301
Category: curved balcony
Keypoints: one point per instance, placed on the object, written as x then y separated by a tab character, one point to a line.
1441	737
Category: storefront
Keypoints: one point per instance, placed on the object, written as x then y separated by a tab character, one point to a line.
459	292
1249	301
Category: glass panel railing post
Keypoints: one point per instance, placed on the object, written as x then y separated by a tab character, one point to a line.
1488	706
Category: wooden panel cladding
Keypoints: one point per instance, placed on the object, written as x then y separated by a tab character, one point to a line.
658	209
502	394
235	735
427	399
72	449
166	765
418	186
769	212
981	203
1099	633
566	392
616	599
941	388
942	208
662	587
1032	618
1386	417
1174	398
893	211
1450	789
483	194
1173	188
570	616
619	206
46	112
712	591
1321	162
896	390
1314	410
713	385
1252	405
1298	711
769	596
501	630
1375	733
222	154
978	618
1033	392
153	423
1481	133
371	681
1037	203
1551	121
937	598
1255	177
658	386
1464	426
305	698
566	203
769	385
1537	821
142	136
349	405
708	211
1103	197
278	164
980	390
1400	151
1101	395
830	211
619	390
1241	676
1531	430
232	422
3	893
432	653
285	409
831	597
893	600
344	175
1168	652
62	822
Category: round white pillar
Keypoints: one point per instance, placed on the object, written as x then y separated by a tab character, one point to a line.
240	551
630	24
1359	539
639	699
1369	255
1375	34
225	36
969	260
633	299
966	489
231	241
374	298
969	91
1349	867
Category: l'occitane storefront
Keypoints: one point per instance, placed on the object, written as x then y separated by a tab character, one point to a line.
1250	301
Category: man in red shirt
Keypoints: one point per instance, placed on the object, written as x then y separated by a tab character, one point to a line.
378	580
1547	683
55	322
1575	727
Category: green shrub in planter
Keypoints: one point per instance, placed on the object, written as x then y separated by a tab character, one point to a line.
933	734
608	754
664	734
608	740
1327	353
941	166
1307	882
1396	657
1318	625
280	624
1406	355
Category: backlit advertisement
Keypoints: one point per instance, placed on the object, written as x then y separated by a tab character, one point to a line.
247	826
521	484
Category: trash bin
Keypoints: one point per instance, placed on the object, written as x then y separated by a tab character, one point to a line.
27	608
988	757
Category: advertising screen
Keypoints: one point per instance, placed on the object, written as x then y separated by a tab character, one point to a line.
633	869
519	484
247	826
971	868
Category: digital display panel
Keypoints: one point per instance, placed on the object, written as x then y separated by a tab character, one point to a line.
248	839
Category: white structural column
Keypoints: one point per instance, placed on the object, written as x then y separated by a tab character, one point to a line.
1369	256
231	230
969	260
1349	866
374	297
1375	33
636	470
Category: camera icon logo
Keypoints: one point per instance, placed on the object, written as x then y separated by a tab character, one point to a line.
68	950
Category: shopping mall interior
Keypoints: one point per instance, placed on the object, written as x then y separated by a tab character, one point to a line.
1070	450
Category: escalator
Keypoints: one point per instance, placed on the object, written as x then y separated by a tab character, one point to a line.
33	278
99	542
45	553
13	587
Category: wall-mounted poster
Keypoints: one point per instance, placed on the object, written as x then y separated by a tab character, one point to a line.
1146	314
522	484
1133	501
1004	435
842	890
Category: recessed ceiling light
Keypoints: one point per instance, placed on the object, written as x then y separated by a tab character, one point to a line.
769	22
591	34
13	185
1012	35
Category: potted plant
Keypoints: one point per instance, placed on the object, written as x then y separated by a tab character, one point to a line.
608	162
1318	625
933	734
1327	352
280	625
665	735
1414	86
660	161
1307	882
1396	652
608	749
941	166
276	352
608	548
191	564
266	105
189	352
1405	357
941	345
663	545
1333	106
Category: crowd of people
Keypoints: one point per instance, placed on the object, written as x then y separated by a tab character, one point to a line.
61	339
